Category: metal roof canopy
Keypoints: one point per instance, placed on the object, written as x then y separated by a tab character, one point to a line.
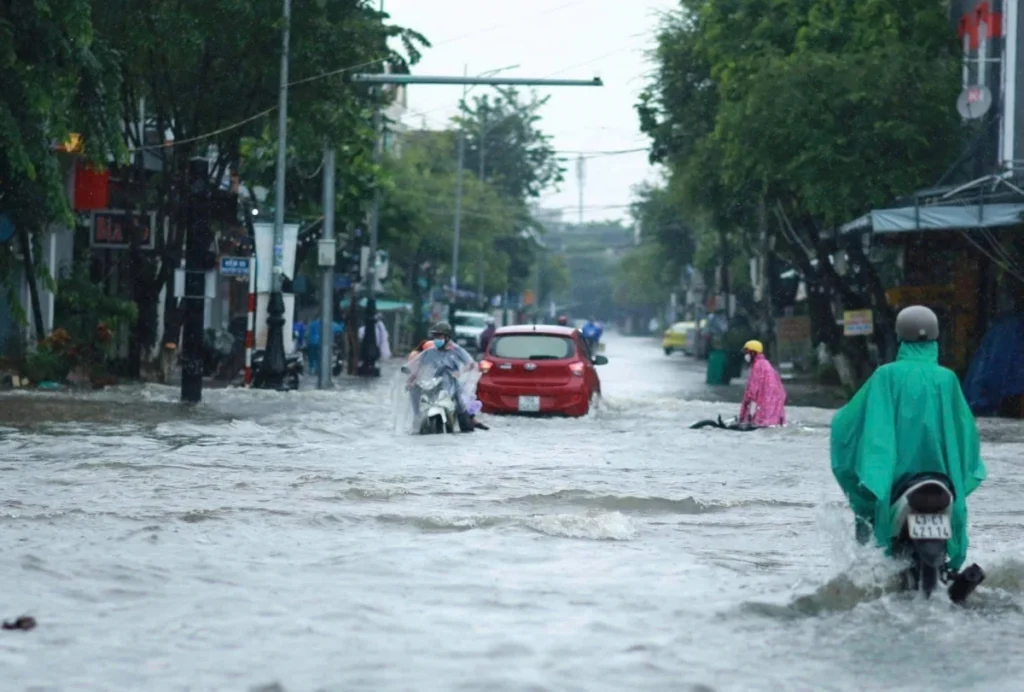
948	209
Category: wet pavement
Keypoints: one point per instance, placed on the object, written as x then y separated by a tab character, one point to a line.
295	539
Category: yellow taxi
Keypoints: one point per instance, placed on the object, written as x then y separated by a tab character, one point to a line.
676	336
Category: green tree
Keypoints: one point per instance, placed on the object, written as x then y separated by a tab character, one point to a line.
213	91
639	280
817	110
56	79
506	147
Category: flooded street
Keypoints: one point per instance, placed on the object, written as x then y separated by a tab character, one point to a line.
297	540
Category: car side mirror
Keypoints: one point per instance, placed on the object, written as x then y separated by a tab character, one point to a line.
600	360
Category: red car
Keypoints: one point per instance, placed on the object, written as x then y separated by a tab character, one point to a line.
538	369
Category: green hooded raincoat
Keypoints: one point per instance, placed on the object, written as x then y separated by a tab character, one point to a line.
909	417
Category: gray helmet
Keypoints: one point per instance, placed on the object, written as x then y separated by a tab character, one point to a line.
442	328
917	323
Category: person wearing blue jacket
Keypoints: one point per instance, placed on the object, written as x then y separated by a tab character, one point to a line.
592	332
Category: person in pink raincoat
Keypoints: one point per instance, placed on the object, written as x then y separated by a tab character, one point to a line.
764	391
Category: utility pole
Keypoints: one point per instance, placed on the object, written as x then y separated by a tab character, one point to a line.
579	178
194	299
368	349
327	259
273	362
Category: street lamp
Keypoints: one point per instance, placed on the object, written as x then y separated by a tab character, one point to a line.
273	362
458	196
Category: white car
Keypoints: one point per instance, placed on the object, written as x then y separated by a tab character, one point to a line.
468	327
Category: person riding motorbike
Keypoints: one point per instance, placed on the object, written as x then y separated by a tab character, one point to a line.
592	332
487	334
764	390
441	340
910	417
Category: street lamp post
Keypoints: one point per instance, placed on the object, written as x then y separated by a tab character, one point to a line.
273	362
405	79
457	232
369	349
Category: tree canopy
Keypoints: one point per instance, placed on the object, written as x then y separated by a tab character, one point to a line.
57	79
815	110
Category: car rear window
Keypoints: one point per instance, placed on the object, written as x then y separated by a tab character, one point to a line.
532	347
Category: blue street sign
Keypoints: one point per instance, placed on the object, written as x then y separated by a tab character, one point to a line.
234	266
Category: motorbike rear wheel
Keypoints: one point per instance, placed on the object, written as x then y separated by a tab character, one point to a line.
921	577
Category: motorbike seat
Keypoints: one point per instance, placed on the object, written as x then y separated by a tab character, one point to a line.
908	481
927	493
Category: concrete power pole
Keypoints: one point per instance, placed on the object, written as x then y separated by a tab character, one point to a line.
327	257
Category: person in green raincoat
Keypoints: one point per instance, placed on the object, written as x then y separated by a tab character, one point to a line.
909	417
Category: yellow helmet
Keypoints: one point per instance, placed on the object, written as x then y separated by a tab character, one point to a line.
754	346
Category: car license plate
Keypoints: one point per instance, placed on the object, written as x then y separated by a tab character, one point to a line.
935	527
529	404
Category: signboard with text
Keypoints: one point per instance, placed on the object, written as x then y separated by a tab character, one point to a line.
858	323
111	229
234	266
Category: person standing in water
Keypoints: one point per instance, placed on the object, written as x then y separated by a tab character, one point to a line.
764	391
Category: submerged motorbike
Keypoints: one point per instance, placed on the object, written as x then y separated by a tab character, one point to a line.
920	525
438	410
732	424
293	368
436	396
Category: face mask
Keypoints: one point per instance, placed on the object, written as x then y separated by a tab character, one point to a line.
747	357
439	343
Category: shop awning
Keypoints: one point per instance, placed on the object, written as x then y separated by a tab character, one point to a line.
936	218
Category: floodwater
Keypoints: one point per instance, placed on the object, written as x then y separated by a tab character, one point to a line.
296	542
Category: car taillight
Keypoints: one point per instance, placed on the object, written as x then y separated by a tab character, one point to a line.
576	369
485	366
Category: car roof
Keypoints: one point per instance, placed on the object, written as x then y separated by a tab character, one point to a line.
547	329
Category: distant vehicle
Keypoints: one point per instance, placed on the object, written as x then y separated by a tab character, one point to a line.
468	327
539	369
677	337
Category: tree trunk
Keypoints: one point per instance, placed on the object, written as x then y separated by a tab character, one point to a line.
30	278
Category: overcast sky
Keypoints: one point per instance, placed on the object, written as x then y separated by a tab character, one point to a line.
566	39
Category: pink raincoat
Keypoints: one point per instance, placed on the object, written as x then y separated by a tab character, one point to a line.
765	391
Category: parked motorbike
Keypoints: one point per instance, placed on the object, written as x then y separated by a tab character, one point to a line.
920	525
293	369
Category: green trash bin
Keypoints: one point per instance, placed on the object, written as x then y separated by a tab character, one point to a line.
718	363
735	368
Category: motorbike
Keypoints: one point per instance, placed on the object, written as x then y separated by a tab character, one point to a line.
920	525
732	424
436	393
293	369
